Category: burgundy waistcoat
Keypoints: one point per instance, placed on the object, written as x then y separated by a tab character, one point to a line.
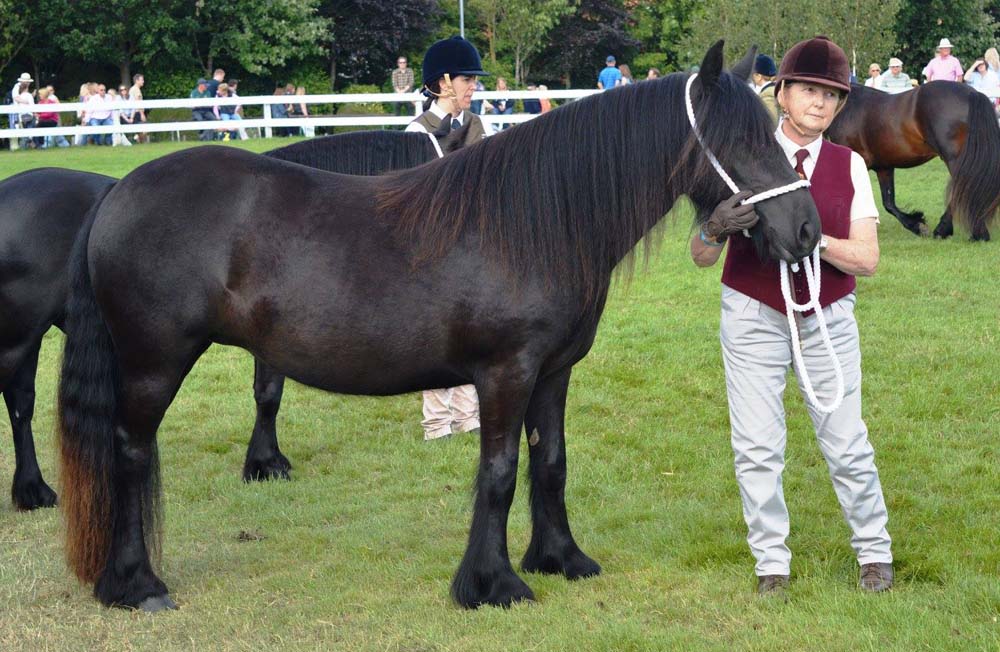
833	192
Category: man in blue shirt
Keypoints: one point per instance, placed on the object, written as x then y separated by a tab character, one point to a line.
610	76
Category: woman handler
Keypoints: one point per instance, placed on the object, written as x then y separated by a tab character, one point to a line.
451	68
812	86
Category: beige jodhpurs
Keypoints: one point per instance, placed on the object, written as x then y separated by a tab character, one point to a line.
451	410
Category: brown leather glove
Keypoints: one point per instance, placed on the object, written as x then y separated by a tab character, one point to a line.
730	217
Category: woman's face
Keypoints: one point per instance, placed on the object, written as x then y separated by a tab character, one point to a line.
811	107
463	85
874	71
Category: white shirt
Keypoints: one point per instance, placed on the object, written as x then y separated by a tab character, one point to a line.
439	112
863	204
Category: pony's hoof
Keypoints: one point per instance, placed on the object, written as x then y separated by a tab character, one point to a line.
155	603
574	565
496	591
32	495
981	237
272	468
923	230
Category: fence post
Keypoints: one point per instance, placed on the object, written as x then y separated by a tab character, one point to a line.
267	116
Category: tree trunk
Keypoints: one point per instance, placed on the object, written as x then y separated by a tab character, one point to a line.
333	74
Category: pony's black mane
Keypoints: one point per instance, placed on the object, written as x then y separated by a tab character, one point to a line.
570	193
360	152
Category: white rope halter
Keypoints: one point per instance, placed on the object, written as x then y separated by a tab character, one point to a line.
812	272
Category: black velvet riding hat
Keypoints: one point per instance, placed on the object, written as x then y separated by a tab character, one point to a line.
453	56
817	60
764	65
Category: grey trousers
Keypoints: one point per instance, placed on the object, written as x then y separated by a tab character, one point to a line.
757	354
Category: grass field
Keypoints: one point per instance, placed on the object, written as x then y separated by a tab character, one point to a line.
357	551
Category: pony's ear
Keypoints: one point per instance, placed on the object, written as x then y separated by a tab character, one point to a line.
743	69
711	66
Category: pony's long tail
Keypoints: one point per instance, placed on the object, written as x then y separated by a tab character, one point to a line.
88	396
975	187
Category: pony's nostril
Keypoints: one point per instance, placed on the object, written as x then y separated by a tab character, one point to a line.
807	233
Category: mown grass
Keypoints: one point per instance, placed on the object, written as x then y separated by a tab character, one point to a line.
356	553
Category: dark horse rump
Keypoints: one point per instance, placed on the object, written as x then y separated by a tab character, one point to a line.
41	214
489	266
946	119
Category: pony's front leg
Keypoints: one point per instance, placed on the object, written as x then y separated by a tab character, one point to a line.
264	460
485	576
946	227
552	548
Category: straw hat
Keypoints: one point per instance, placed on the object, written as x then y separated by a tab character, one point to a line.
945	43
25	78
895	62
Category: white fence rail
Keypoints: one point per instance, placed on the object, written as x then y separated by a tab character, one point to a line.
267	123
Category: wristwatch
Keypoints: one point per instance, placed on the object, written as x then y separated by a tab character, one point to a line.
823	243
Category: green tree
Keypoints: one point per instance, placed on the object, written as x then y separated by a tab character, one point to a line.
117	32
968	24
258	35
864	31
661	26
522	28
14	32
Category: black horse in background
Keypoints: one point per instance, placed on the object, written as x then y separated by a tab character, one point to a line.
490	266
940	118
41	213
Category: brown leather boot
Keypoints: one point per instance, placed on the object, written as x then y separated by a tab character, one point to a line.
772	586
876	577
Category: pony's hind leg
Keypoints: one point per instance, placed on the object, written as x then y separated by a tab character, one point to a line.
552	548
29	490
264	460
128	579
485	576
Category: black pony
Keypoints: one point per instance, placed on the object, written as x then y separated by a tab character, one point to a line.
41	213
490	266
940	118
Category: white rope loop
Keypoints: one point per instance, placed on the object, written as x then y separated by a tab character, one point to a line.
812	271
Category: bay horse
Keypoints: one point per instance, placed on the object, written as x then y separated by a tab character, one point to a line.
489	266
940	118
41	213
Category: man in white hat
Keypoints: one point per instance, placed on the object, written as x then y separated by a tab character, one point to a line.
21	96
894	80
944	66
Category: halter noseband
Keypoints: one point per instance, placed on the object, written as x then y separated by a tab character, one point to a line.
812	272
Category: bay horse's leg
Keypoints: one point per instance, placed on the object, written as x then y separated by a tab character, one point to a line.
29	490
485	576
264	460
913	222
946	226
552	548
128	579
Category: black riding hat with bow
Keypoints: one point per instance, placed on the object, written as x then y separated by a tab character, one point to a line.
452	56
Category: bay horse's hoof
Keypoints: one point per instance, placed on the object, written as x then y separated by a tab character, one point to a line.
497	590
574	564
32	495
155	603
273	468
981	237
